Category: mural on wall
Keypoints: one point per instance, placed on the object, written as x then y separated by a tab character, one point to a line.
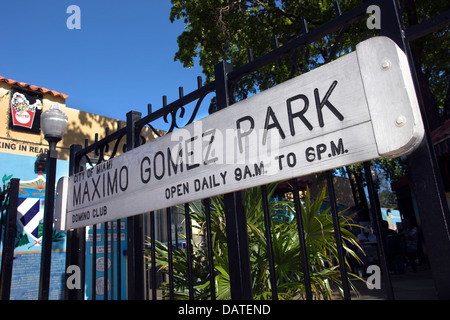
26	110
28	245
30	214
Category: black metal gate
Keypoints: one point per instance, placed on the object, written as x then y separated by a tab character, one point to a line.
424	175
142	282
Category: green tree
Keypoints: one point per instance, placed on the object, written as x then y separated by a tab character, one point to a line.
225	29
430	54
388	199
320	243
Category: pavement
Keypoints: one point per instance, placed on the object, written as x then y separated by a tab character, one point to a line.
410	285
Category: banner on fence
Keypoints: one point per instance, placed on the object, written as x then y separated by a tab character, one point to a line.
359	107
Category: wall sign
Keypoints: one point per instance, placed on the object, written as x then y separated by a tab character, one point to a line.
360	107
26	110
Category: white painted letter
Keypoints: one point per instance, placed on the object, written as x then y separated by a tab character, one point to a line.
74	21
374	20
373	282
74	280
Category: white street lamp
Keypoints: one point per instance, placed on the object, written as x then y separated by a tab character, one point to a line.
53	126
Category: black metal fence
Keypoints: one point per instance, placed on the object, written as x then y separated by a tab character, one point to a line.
143	280
9	200
236	226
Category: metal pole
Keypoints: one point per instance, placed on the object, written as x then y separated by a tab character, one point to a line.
338	236
188	226
119	260
423	170
76	239
212	282
46	253
94	262
112	261
236	221
105	260
9	240
238	250
153	255
135	236
301	239
381	243
268	232
169	253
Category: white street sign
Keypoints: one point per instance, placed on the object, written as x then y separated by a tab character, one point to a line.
360	107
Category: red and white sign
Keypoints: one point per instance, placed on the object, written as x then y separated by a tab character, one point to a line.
22	112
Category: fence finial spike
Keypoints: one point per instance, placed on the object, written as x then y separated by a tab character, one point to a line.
276	45
337	8
250	55
96	140
275	42
305	28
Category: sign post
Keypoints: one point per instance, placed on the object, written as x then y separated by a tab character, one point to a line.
360	107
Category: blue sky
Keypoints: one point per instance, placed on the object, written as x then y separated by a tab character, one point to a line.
120	60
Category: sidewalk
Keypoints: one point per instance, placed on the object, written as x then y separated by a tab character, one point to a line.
408	286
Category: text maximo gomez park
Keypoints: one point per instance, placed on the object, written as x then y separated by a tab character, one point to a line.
360	107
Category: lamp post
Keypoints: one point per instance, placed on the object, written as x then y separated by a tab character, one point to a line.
53	126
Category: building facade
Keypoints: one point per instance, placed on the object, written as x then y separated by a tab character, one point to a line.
23	151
